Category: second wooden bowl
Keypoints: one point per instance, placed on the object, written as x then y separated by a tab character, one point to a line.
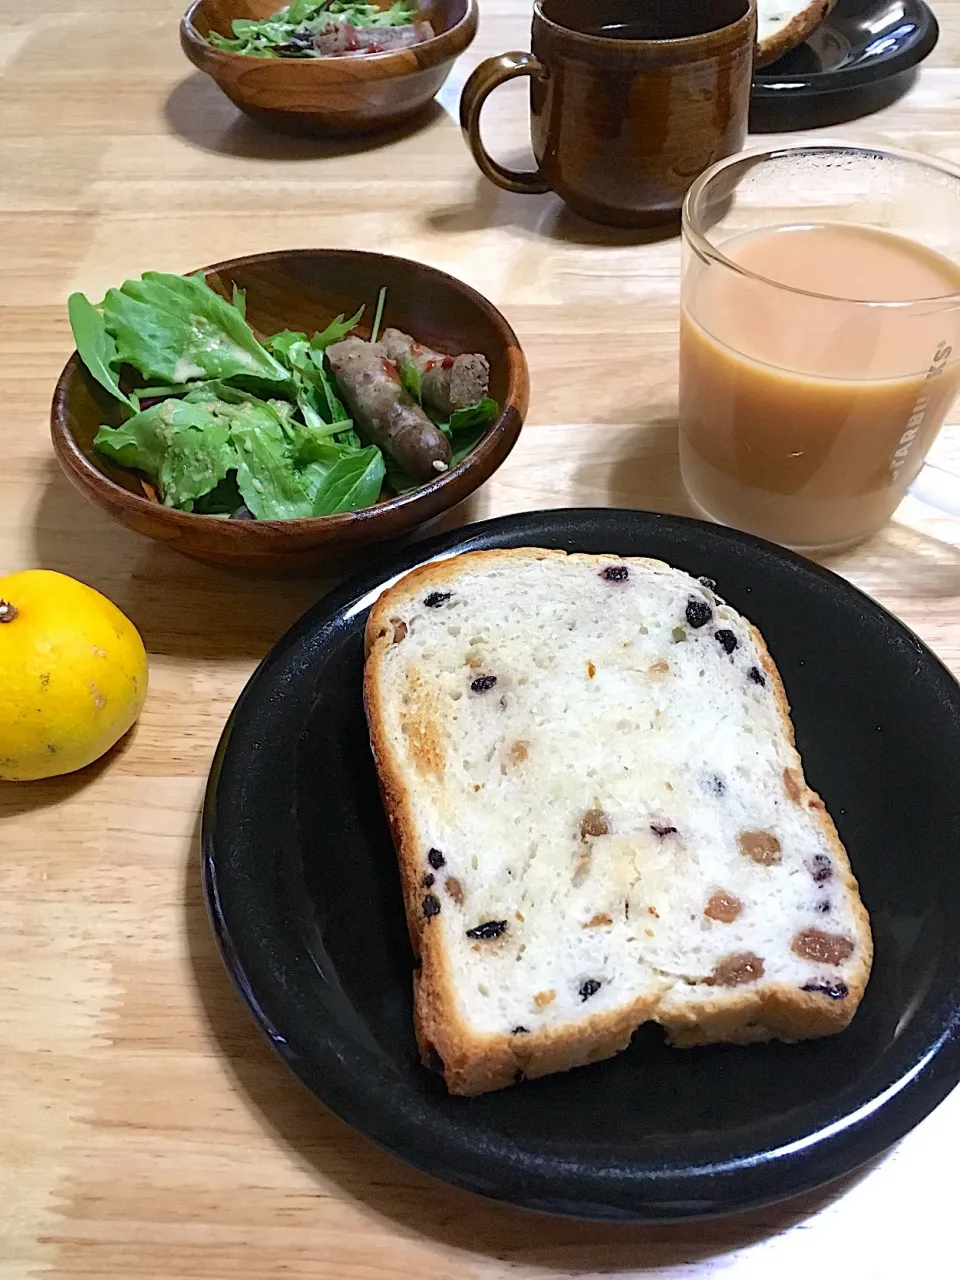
355	94
303	290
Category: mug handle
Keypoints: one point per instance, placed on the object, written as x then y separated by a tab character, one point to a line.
488	76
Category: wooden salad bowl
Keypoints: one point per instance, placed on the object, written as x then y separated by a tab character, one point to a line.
355	94
303	290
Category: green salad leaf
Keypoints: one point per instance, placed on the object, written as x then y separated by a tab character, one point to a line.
322	409
300	9
310	412
290	30
175	389
335	331
287	344
223	500
96	347
178	329
218	395
309	447
411	377
272	487
237	422
464	442
349	440
182	447
399	481
329	404
476	415
353	482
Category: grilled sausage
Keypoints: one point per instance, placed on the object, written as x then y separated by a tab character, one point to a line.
383	413
447	382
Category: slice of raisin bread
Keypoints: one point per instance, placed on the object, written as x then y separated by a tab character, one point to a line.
589	769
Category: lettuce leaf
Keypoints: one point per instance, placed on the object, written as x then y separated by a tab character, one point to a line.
176	329
183	448
96	347
273	487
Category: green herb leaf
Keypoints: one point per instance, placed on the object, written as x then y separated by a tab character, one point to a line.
349	440
284	344
178	329
222	398
314	391
309	447
306	402
353	482
183	448
335	331
322	429
476	415
96	347
284	410
329	403
272	487
299	9
465	441
411	377
240	300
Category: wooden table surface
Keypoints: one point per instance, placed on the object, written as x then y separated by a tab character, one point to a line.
147	1129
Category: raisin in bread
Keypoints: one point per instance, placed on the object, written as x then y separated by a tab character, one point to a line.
589	769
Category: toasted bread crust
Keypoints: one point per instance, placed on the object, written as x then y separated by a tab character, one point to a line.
474	1064
798	29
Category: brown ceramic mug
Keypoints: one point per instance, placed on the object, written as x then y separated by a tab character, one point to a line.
630	101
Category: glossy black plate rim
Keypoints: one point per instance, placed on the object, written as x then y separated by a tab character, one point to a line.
767	87
263	964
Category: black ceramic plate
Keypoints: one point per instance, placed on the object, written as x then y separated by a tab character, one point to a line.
860	59
304	895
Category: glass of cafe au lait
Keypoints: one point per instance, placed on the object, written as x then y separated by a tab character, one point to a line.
819	337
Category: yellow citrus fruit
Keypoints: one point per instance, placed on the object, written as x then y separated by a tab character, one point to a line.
73	675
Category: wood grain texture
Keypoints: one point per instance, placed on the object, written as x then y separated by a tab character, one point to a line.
148	1131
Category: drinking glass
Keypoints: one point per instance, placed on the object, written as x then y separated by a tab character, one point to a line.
816	444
